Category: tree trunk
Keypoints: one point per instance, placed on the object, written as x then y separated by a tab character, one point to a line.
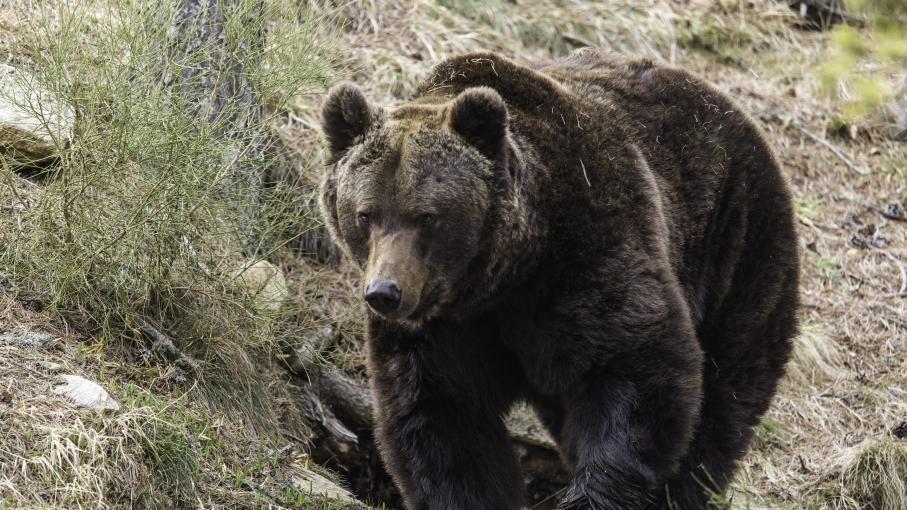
211	86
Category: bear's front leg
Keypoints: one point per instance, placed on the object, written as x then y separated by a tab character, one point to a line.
439	396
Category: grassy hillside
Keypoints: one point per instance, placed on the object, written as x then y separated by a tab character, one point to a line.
133	224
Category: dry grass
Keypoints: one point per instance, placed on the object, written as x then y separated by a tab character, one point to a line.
163	449
142	221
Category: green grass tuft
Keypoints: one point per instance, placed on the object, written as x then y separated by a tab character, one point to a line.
876	478
724	42
769	433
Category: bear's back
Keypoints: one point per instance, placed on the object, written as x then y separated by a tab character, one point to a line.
717	177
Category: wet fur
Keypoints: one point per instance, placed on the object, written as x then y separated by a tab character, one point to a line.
634	278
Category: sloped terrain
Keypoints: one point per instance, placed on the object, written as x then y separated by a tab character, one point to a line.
834	439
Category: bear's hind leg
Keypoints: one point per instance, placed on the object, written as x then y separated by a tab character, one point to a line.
741	372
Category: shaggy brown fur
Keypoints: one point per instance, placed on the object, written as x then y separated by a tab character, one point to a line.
608	239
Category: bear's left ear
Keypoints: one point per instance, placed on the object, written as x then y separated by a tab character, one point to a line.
480	116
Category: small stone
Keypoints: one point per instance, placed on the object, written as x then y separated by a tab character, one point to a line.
50	365
27	340
868	231
144	355
852	218
266	283
177	376
900	430
858	242
853	438
879	241
86	393
895	210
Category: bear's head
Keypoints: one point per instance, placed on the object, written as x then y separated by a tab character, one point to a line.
410	193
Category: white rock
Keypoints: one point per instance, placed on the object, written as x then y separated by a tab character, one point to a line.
265	282
34	123
86	393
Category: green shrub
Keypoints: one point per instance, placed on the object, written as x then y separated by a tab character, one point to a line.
144	215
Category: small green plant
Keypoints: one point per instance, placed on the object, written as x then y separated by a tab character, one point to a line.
768	434
806	206
172	460
860	62
724	42
830	269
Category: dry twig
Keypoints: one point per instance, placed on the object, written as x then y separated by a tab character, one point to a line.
835	150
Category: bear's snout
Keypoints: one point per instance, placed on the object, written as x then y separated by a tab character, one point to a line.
383	296
395	274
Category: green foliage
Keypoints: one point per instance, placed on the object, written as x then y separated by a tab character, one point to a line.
859	65
769	433
143	216
704	34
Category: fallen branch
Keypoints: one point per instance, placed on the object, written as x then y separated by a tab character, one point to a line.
315	411
163	345
352	402
352	399
340	391
834	150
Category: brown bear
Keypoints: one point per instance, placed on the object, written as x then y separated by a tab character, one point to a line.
610	240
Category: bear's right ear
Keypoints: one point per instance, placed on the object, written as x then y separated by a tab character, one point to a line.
345	115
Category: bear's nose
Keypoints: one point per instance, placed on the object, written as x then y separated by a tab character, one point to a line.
383	296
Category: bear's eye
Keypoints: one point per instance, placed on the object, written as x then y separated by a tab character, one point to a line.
428	220
364	218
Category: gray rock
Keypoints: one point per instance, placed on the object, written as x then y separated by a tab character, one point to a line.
50	365
28	340
266	283
34	122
